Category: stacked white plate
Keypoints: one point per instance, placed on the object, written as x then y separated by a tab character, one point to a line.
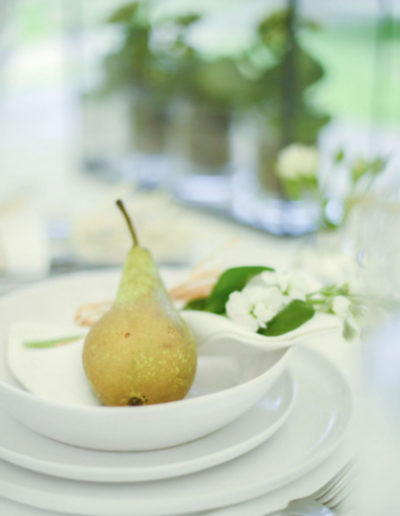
298	410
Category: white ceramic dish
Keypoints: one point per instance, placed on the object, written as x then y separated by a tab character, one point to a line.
226	385
25	448
260	506
312	432
212	332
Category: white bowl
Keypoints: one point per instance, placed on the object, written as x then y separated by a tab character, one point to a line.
225	387
213	331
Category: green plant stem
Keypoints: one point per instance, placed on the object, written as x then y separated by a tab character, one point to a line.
50	343
132	231
317	301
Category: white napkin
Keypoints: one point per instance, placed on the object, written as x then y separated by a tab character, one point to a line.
54	373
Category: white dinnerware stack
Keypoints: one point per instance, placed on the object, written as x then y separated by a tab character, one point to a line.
249	436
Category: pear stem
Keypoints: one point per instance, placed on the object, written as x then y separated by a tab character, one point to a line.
121	206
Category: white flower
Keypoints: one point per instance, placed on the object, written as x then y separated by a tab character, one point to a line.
295	284
254	306
238	309
301	284
262	313
297	161
279	279
341	307
351	328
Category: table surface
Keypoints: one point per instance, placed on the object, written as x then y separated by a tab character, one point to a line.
378	426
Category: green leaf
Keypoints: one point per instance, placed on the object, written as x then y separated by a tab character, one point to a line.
378	165
196	304
124	14
51	343
335	290
338	156
296	313
231	280
187	19
292	188
359	169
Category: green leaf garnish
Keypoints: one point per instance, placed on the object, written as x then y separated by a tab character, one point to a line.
124	14
231	280
50	343
296	313
196	304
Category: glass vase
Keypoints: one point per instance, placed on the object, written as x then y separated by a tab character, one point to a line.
202	153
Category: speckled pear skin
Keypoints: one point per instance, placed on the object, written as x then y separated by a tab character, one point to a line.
141	351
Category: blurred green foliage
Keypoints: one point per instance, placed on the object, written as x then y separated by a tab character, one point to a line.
158	58
37	20
282	86
361	59
270	76
343	46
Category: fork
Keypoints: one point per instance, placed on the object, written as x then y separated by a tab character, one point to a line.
326	500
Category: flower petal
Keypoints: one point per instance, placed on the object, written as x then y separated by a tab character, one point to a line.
341	307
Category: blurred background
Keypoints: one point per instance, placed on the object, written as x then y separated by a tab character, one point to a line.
263	131
282	116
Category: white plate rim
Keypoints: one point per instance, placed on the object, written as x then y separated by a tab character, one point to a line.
188	503
137	474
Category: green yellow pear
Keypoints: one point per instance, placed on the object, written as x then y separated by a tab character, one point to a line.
141	351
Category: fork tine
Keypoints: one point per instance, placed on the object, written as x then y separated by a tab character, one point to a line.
337	479
329	497
341	494
334	494
344	495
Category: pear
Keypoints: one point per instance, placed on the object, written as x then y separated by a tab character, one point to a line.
141	351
